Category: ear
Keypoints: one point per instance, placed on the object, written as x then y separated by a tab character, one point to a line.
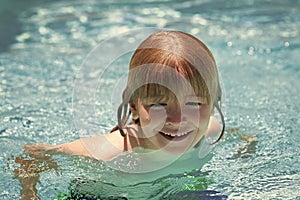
134	111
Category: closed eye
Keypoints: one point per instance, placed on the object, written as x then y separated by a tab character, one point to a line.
193	104
158	105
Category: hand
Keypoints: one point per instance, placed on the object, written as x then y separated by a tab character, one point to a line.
38	151
35	161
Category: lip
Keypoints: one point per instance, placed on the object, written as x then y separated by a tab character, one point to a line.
171	136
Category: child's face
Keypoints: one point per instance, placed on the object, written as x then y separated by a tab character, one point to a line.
173	124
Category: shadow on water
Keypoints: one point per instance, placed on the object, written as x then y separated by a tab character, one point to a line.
10	15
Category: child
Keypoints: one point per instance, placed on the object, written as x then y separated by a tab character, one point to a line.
171	95
173	79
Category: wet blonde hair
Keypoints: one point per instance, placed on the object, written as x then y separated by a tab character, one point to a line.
186	56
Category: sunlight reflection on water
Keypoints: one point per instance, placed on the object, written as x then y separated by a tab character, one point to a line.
256	45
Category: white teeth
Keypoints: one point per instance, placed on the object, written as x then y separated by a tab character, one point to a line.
175	135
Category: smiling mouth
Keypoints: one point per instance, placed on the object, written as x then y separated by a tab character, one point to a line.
177	136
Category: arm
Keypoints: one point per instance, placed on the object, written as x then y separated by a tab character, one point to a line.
28	172
102	147
73	148
37	159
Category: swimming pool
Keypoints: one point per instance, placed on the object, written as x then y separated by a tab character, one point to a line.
255	43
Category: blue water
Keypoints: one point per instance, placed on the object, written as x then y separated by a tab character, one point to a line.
256	45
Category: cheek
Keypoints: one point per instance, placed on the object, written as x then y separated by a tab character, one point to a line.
205	112
199	117
152	117
151	122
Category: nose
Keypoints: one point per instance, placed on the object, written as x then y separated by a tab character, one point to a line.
174	115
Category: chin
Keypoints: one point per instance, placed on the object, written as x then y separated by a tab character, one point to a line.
179	146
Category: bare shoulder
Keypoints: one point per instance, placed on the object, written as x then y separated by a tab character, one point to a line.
214	127
108	146
127	142
101	147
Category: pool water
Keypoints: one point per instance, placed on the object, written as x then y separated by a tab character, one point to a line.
255	43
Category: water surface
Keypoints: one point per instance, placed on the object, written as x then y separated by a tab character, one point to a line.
255	43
